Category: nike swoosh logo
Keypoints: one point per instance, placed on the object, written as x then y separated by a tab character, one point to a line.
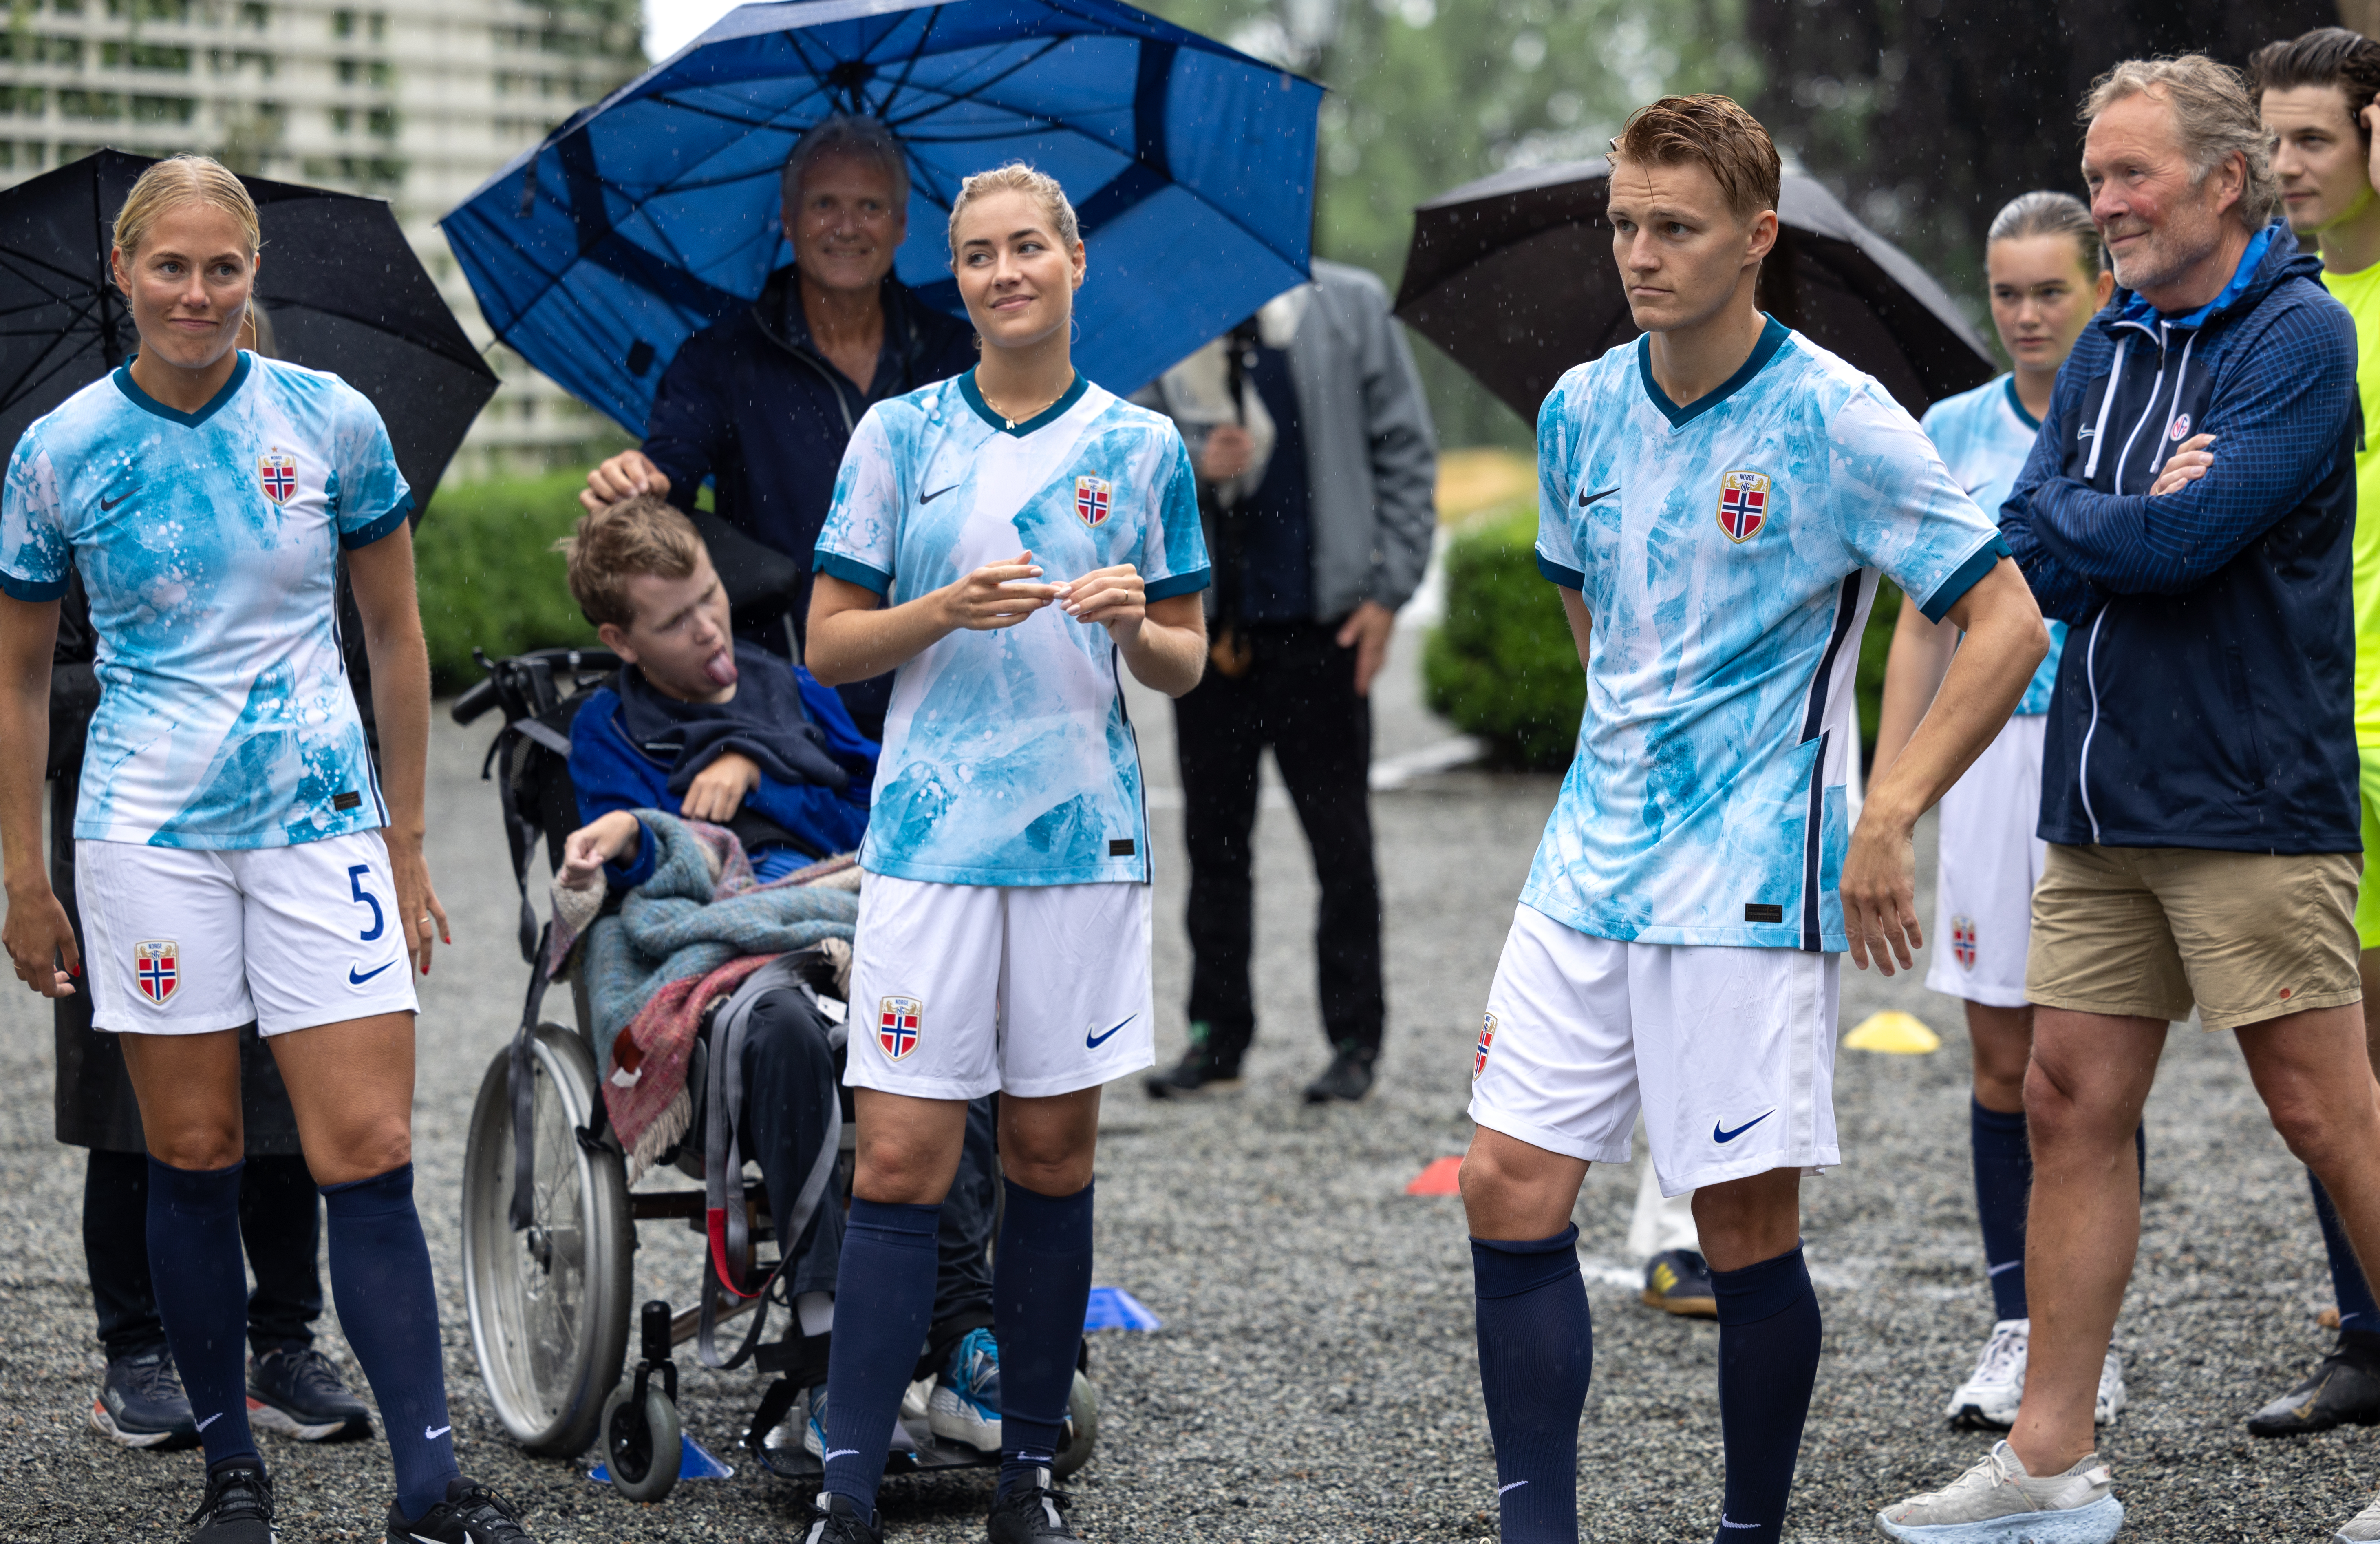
210	1420
1514	1486
356	980
427	1434
1725	1523
1092	1043
929	498
106	504
833	1454
1721	1134
1584	500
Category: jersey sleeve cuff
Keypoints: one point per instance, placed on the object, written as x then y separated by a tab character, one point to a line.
1965	577
852	571
1177	584
31	590
1569	578
364	536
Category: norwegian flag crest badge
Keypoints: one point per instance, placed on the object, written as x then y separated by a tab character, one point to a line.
1091	499
276	473
1480	1053
898	1020
1962	941
1742	504
157	969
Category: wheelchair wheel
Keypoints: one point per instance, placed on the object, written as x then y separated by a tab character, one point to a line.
1082	1427
642	1443
549	1306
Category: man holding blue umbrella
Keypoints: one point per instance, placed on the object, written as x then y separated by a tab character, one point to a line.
764	401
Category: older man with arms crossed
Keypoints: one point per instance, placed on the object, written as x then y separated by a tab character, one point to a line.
2188	509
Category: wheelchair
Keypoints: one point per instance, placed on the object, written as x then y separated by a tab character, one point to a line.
549	1221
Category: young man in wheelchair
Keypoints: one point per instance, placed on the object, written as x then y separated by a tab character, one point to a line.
701	725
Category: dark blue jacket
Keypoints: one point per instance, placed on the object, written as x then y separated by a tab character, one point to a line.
750	402
2205	699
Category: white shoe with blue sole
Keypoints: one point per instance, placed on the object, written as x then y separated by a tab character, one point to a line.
1998	1503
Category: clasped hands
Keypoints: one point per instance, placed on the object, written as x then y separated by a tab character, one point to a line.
1002	594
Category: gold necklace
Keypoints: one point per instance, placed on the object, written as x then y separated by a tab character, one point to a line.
1013	422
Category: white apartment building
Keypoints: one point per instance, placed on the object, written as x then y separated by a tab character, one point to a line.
416	102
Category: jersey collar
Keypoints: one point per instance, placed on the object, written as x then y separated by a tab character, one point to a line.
1048	415
2016	404
1773	335
141	399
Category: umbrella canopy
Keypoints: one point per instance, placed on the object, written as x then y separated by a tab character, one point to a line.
655	213
1512	276
337	281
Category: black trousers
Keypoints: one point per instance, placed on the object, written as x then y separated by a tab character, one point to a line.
1299	699
280	1223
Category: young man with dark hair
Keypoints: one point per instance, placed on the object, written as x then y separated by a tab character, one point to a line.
1714	501
2315	93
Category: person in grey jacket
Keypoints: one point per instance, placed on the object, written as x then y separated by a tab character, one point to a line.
1317	468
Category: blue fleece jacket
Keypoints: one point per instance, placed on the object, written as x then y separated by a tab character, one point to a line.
2206	698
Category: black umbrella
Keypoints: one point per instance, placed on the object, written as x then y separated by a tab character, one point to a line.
339	284
1513	275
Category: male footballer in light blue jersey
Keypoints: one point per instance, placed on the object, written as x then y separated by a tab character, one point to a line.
1715	501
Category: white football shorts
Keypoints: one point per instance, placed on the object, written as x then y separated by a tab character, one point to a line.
1729	1051
961	990
176	940
1990	861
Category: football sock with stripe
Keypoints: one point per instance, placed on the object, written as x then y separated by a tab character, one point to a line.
887	1264
1040	1285
2358	1314
388	1309
1768	1335
1536	1351
203	1296
2003	1190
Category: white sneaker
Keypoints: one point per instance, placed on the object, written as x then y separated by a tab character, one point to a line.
1990	1396
2110	1402
1998	1503
2363	1526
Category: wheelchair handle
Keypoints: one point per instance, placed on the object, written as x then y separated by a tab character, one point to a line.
475	703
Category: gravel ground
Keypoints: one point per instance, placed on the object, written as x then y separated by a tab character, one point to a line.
1315	1379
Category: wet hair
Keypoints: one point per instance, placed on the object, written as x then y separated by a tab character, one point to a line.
2325	56
2045	213
178	180
1018	178
2213	115
605	550
862	139
1715	132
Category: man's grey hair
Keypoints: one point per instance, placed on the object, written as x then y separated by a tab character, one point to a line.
2214	115
845	134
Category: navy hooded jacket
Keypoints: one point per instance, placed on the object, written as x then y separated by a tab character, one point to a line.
2206	698
751	402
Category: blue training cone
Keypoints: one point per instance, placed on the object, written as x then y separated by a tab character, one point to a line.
694	1462
1114	1309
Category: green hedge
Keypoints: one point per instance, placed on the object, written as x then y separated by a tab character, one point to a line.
1503	667
489	576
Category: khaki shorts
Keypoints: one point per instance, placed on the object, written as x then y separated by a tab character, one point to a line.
2149	932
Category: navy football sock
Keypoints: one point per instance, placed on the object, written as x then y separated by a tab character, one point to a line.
2357	1311
1041	1285
1536	1351
388	1308
2003	1190
1767	1362
202	1297
887	1264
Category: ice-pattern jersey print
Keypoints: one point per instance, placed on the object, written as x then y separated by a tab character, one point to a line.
1008	758
209	544
1984	436
1705	802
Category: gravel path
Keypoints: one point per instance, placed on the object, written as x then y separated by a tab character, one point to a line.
1315	1379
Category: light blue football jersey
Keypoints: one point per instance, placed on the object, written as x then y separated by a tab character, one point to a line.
208	542
1727	552
1984	436
1008	758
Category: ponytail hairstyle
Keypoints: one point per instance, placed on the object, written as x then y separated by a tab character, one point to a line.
2044	213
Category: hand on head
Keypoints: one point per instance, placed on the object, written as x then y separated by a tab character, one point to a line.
623	476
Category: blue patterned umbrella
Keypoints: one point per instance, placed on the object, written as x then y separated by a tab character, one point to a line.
654	214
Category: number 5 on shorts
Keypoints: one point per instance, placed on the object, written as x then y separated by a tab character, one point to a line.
356	888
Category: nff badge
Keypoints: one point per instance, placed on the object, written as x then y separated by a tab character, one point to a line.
1092	498
897	1023
1962	941
157	969
1487	1042
1742	504
276	472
